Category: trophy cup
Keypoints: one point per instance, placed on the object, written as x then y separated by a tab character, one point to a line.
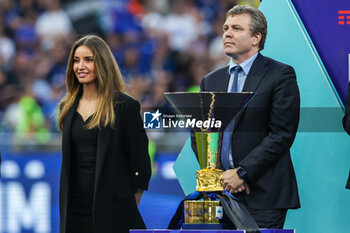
210	113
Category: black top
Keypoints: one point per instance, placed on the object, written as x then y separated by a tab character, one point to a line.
83	160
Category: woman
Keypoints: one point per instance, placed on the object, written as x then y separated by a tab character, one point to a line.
105	161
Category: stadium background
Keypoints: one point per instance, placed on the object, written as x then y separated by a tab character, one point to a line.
165	46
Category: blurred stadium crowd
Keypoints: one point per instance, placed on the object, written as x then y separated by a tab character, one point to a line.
160	45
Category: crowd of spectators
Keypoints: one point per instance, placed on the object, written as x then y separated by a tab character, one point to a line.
160	45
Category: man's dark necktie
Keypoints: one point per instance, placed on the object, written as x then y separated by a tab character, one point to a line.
226	139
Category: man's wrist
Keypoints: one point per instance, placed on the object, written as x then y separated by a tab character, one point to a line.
242	173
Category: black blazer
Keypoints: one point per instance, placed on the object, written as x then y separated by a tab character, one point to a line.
264	132
122	166
346	124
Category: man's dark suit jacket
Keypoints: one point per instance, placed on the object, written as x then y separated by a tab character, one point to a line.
122	166
264	132
346	124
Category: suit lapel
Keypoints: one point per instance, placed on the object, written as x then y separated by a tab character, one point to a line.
66	141
223	80
103	138
255	76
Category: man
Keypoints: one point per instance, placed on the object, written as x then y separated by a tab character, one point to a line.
259	170
346	124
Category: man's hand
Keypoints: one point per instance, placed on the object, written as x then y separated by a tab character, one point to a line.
138	197
232	183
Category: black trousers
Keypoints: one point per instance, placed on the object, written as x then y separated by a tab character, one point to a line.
269	219
79	223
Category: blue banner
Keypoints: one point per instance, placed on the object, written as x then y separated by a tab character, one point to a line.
328	25
29	193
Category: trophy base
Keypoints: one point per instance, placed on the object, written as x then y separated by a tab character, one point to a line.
209	180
